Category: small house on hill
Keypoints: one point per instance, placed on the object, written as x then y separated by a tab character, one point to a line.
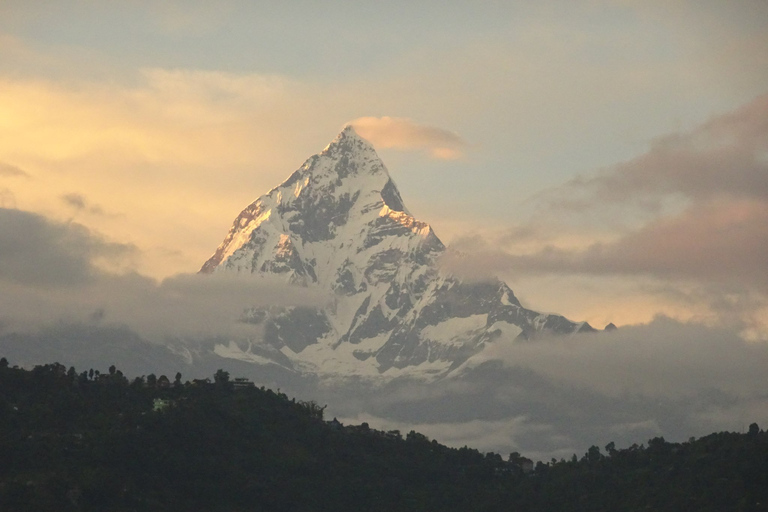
242	382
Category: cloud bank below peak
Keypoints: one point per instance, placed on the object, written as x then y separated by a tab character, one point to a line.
405	134
63	273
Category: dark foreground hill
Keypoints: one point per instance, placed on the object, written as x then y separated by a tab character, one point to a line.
86	441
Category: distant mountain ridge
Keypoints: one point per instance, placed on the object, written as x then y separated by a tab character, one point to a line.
340	224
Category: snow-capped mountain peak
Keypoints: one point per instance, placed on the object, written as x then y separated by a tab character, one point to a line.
339	223
332	196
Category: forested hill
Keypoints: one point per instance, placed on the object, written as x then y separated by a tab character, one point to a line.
86	441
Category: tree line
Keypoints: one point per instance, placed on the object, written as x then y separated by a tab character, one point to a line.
92	441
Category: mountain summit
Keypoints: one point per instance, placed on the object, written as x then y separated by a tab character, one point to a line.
340	224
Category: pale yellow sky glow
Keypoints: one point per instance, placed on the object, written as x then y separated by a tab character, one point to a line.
512	124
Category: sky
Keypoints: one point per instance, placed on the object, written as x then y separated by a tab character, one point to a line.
611	155
608	159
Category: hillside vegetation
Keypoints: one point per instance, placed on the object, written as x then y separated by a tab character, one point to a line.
87	441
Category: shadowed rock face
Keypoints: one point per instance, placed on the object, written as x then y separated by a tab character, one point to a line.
339	223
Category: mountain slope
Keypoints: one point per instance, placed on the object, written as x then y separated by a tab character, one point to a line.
340	224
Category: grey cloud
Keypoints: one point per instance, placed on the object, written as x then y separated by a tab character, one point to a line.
79	203
185	306
147	326
40	252
711	242
12	171
731	305
725	157
665	358
53	272
87	346
76	201
555	397
718	245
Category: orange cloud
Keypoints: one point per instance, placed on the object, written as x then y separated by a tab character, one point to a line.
402	133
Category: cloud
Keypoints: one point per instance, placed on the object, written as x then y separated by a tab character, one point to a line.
76	201
79	203
708	242
726	157
62	272
720	169
12	171
557	396
185	306
706	262
704	198
405	134
38	252
665	358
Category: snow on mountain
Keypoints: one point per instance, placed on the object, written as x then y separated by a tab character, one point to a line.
339	223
